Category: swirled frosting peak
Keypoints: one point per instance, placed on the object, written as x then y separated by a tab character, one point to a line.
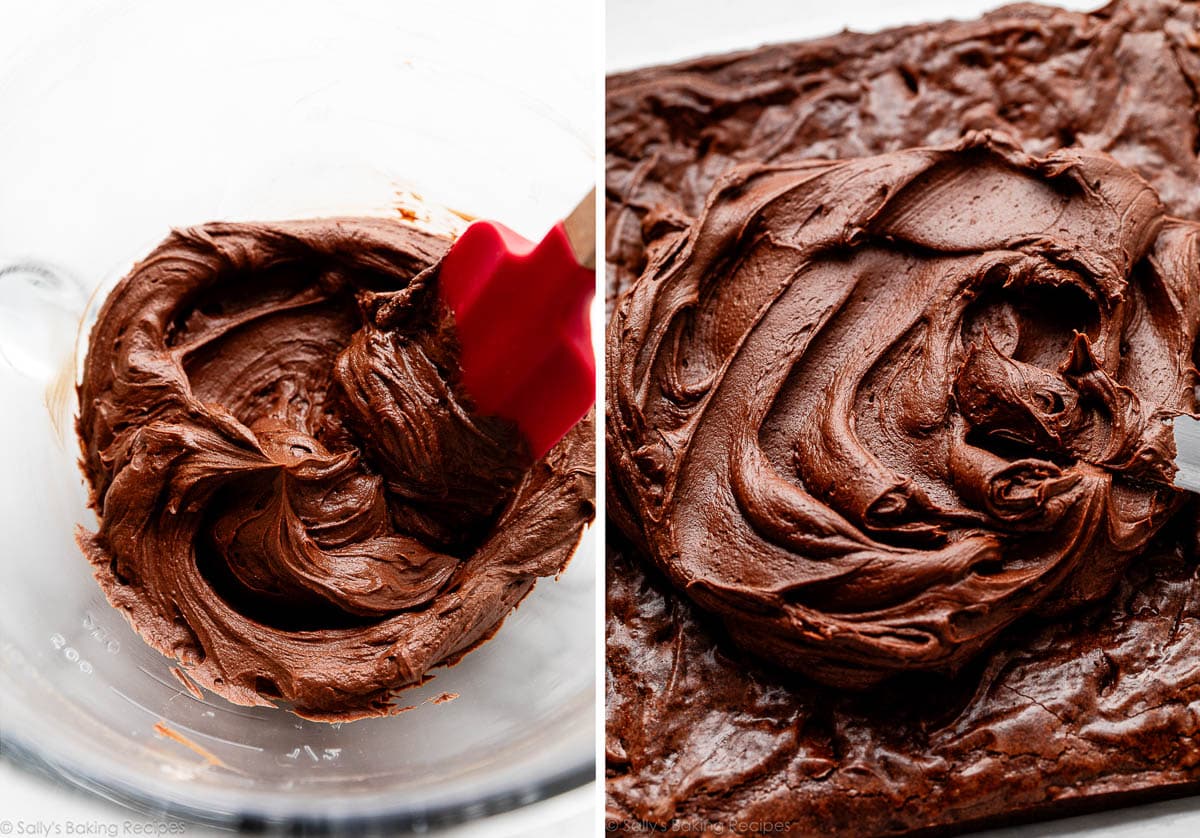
295	500
870	412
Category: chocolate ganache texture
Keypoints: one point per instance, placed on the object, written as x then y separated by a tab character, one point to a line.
295	499
1124	80
871	412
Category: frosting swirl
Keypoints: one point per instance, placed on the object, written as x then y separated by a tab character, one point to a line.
870	412
294	498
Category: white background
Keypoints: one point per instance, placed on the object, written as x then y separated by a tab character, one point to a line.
642	32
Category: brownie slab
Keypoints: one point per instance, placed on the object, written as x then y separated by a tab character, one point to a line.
1097	707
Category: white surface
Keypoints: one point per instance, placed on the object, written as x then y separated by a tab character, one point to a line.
541	51
644	32
29	803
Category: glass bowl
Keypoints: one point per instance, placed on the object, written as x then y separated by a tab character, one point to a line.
122	126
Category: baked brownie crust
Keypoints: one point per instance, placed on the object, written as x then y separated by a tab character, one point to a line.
1061	717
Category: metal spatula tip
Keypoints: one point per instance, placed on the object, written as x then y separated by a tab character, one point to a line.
1187	446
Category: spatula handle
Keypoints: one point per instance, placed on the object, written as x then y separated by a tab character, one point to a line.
580	227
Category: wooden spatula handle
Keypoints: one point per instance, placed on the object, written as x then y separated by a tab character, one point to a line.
580	227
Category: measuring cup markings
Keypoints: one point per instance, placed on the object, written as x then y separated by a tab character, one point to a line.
101	634
191	730
168	685
327	754
208	713
71	653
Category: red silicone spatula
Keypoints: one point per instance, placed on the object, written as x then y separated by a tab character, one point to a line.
521	311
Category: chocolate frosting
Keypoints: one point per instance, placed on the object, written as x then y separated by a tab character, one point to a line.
871	412
295	499
1124	80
